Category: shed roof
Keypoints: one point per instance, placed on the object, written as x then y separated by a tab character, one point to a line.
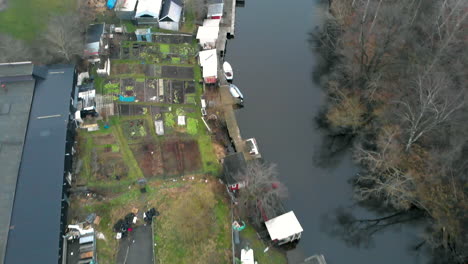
207	33
215	10
171	11
283	226
39	190
126	5
211	22
94	33
209	63
233	164
15	104
149	8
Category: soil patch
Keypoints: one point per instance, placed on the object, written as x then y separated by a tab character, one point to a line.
104	139
149	158
177	72
181	157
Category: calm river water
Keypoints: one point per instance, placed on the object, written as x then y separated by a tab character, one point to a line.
273	64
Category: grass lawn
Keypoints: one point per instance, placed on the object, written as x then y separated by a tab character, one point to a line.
272	256
195	228
25	19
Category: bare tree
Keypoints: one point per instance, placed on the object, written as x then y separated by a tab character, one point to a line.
64	38
12	49
262	194
431	105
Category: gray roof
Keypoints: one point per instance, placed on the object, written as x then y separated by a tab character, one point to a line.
233	164
171	11
35	232
215	10
15	104
94	33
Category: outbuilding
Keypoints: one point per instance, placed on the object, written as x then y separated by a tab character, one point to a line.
233	165
284	228
171	14
215	11
209	62
126	9
208	33
94	41
147	12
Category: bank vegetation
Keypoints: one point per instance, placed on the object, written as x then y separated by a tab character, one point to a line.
397	82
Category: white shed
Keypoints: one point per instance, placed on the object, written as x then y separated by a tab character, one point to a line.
209	62
207	36
171	14
215	11
147	11
284	228
125	9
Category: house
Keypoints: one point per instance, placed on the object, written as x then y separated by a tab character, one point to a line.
209	62
208	33
147	12
171	15
94	42
126	9
144	34
284	228
215	11
233	165
36	149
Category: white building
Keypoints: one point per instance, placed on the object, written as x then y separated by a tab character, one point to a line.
209	62
208	33
147	11
125	9
171	14
284	228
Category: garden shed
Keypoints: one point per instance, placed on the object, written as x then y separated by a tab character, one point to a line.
208	34
94	40
125	9
209	63
147	11
215	11
284	228
171	14
233	164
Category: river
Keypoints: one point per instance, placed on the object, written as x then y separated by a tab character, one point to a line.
273	64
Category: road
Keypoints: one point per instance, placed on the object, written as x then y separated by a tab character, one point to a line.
137	247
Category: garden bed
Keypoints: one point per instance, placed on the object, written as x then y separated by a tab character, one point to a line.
181	157
135	129
149	158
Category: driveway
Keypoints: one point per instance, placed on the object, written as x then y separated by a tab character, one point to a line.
137	247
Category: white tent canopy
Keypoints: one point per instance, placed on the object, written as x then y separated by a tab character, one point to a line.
283	226
209	62
150	8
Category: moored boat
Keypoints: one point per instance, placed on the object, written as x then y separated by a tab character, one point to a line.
228	72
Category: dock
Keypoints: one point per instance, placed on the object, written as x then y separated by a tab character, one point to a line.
227	26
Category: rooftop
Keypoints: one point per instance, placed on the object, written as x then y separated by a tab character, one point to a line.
171	11
39	189
283	226
232	166
94	33
148	8
15	103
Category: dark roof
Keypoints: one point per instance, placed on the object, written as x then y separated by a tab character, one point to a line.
15	103
35	232
233	164
94	33
86	87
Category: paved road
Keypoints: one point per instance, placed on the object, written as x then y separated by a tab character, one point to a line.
137	247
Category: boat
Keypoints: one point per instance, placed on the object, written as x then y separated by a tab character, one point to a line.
235	92
228	73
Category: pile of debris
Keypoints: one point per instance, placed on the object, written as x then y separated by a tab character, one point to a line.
126	224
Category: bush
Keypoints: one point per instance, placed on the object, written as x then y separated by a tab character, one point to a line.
169	120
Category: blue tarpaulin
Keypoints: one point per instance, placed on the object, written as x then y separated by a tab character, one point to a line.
111	3
127	99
